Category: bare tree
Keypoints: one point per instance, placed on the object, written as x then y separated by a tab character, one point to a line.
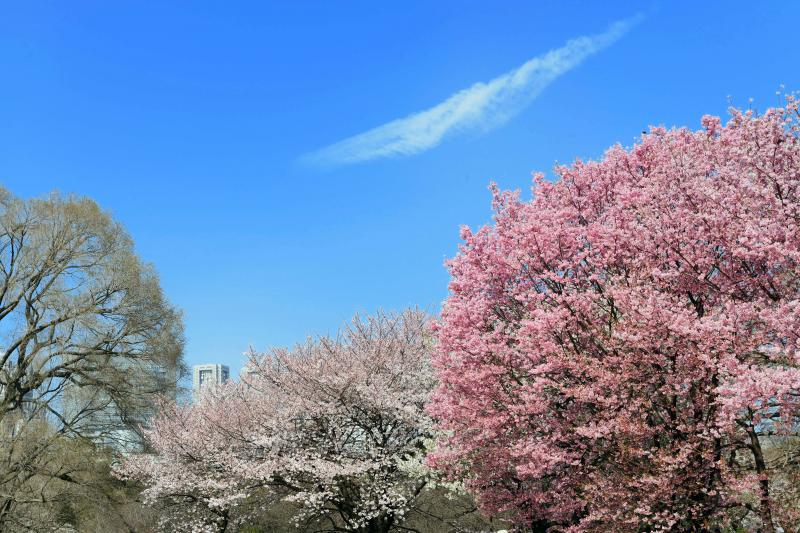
87	340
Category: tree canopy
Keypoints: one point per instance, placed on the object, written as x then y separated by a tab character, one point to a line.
86	338
621	352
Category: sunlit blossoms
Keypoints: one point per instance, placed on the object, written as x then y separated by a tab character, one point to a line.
335	427
621	352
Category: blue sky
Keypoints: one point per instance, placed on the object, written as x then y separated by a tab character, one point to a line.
223	134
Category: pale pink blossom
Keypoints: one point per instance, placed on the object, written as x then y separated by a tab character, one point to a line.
336	425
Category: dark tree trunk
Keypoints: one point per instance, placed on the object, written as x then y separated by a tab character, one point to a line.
765	504
222	522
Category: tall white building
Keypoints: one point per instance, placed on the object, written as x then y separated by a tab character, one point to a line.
205	375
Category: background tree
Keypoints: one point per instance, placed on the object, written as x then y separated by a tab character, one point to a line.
70	487
334	430
618	353
87	337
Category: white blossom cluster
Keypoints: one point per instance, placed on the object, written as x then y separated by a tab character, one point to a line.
337	426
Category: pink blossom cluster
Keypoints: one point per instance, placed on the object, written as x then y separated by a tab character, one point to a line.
621	352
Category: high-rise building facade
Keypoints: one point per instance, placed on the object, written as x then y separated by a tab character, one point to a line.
99	415
206	375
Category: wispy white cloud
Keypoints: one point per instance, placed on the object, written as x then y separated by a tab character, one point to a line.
482	106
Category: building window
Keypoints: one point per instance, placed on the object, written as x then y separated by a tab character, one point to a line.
204	377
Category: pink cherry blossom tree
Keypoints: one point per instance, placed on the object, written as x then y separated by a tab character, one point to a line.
337	427
621	352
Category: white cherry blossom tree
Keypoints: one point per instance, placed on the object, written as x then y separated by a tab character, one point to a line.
335	427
